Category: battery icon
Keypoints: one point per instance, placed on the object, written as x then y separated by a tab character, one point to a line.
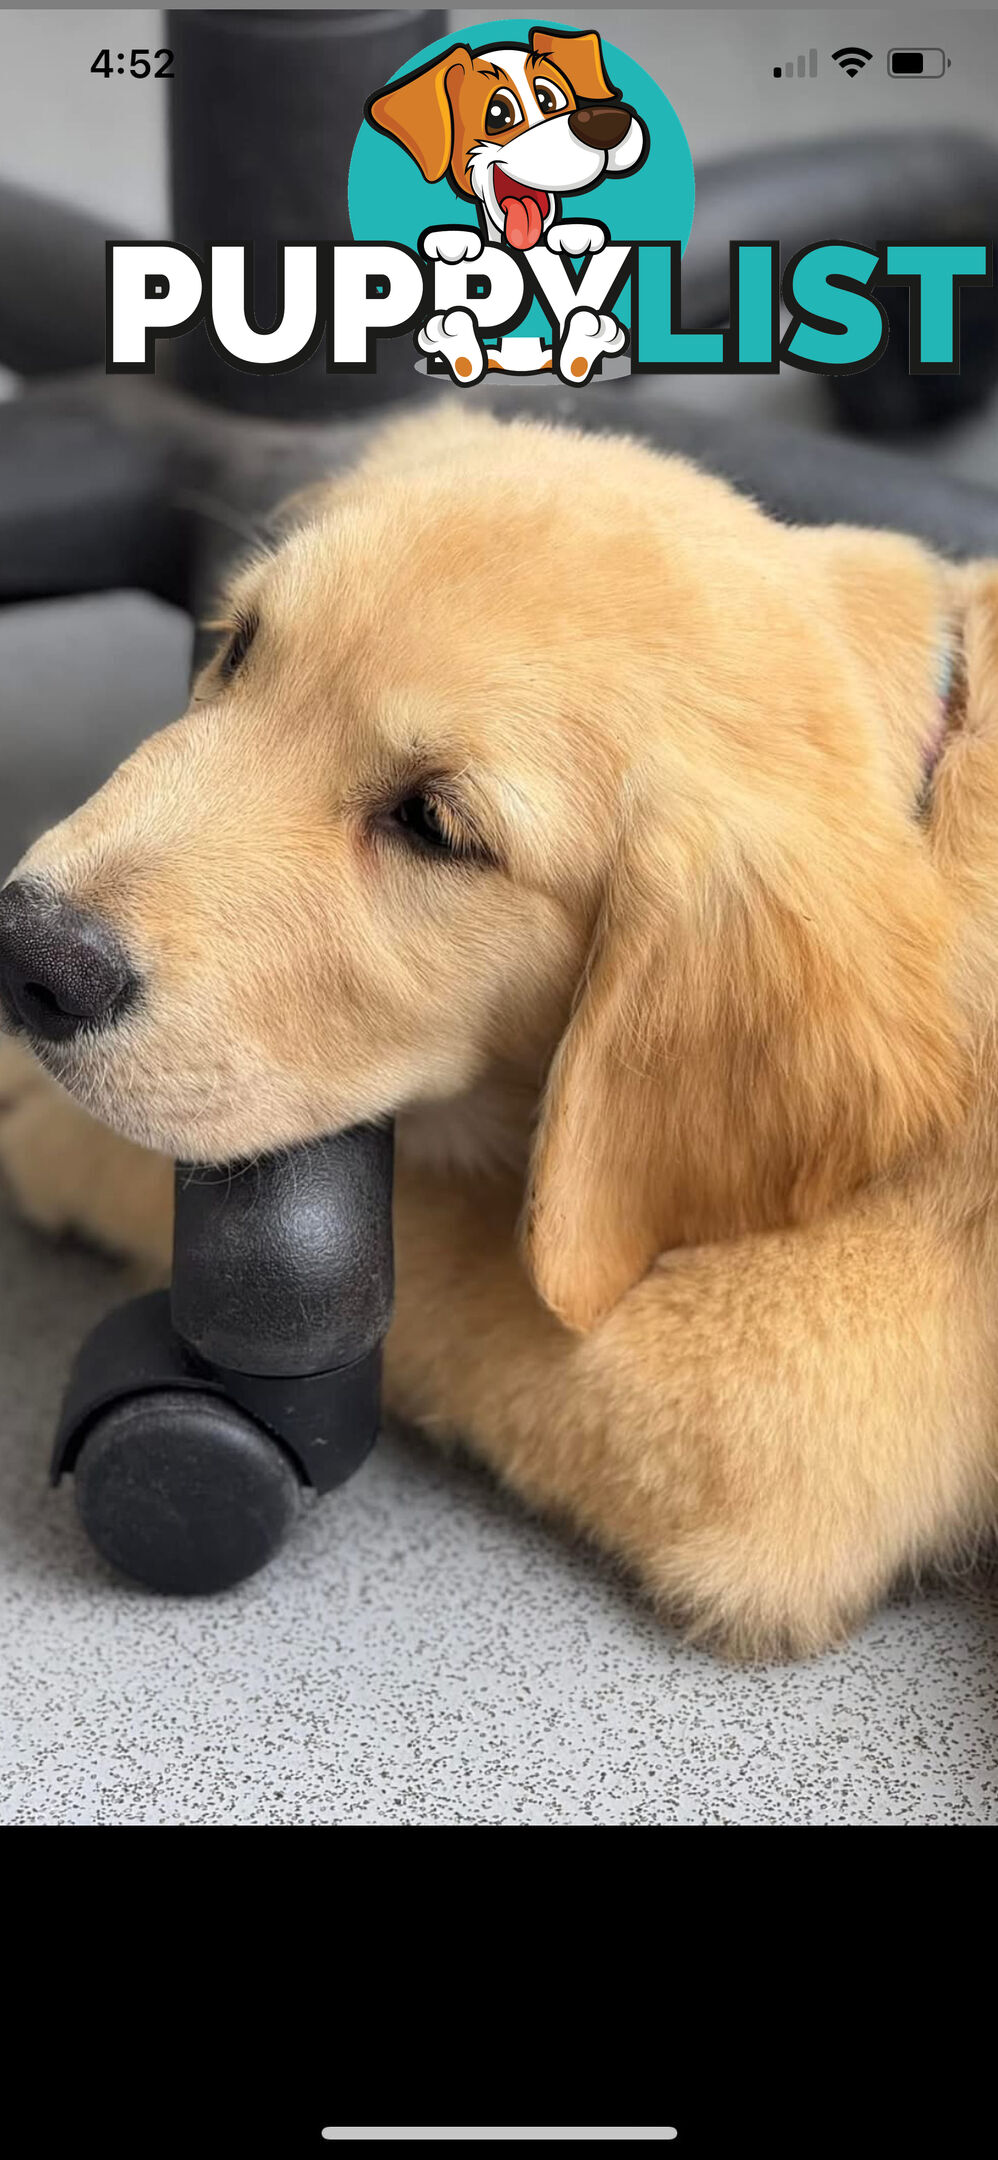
921	61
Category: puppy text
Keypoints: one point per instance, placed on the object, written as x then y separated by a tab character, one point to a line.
354	295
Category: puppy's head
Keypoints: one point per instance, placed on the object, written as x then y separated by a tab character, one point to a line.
539	761
516	127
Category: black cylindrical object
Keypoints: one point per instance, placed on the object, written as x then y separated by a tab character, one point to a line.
183	1492
283	1266
192	1422
52	298
265	111
86	503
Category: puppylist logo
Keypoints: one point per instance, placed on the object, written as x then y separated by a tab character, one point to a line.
522	207
525	146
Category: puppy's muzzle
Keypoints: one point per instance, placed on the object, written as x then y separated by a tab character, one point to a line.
61	969
600	127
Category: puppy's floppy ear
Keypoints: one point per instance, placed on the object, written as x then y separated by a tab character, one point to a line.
579	55
418	112
748	1046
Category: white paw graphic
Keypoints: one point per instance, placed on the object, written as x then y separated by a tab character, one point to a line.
587	338
452	244
576	239
453	337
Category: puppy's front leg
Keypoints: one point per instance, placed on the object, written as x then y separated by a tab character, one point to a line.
67	1173
767	1432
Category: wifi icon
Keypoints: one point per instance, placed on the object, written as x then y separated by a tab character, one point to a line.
851	58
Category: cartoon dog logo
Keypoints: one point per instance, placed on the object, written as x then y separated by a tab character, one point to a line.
514	129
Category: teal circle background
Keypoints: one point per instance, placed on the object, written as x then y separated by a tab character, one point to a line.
388	198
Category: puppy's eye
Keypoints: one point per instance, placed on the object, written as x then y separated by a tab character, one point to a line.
503	112
549	97
423	822
238	646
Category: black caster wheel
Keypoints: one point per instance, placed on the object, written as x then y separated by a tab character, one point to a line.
183	1492
195	1421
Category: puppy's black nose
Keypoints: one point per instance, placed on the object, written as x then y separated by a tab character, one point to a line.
60	969
600	127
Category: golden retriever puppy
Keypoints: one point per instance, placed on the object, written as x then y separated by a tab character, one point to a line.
640	855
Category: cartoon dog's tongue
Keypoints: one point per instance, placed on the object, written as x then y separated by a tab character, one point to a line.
524	210
523	221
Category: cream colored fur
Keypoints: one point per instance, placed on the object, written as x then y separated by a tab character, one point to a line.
693	1063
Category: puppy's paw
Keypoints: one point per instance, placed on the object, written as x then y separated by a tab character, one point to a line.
67	1174
587	338
576	239
454	338
452	244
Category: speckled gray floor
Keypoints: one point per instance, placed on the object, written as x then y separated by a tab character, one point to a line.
423	1652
